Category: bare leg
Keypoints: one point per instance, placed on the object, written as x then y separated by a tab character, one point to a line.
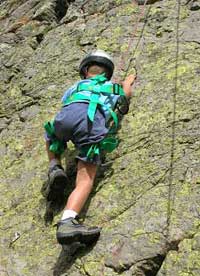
68	230
86	173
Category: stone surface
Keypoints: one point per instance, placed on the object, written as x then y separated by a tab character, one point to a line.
146	196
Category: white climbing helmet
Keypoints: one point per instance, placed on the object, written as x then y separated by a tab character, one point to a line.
98	57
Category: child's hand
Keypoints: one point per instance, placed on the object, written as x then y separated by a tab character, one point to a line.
129	80
127	83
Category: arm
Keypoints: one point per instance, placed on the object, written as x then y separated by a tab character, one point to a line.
127	84
69	92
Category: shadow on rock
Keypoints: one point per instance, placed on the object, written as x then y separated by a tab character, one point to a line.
68	256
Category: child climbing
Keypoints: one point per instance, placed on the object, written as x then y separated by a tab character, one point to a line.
89	120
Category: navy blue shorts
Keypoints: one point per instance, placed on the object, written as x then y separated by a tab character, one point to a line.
72	123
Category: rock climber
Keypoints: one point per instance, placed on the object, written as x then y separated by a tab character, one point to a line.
87	118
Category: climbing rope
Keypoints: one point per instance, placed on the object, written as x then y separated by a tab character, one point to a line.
173	134
124	56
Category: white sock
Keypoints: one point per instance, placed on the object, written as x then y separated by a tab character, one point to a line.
69	214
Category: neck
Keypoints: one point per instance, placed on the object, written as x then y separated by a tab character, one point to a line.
90	75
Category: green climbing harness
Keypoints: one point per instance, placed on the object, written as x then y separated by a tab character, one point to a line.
56	145
96	88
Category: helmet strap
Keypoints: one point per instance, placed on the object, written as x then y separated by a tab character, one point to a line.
85	70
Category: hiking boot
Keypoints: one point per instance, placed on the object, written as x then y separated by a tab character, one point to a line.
70	231
57	181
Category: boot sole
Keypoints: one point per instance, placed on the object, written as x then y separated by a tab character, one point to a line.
78	236
57	186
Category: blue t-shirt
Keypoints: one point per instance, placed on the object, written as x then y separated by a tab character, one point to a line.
109	100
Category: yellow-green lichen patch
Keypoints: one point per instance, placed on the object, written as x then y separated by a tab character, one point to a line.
184	262
128	9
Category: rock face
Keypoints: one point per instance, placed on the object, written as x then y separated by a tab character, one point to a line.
146	195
